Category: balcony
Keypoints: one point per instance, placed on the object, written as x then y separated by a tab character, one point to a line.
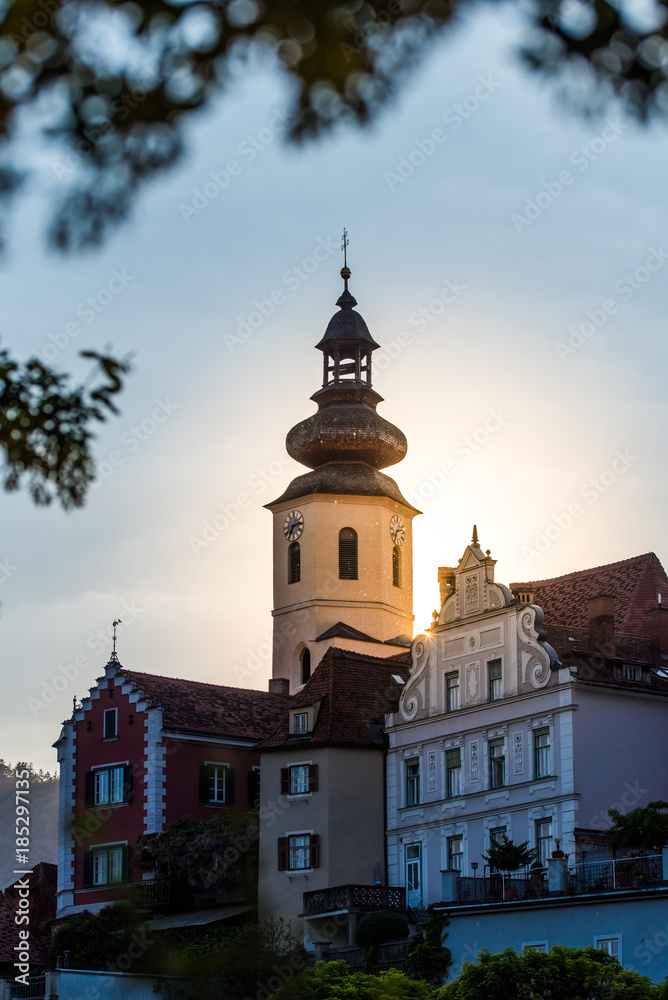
354	897
171	894
614	875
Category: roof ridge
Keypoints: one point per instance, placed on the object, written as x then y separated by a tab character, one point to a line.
134	674
592	569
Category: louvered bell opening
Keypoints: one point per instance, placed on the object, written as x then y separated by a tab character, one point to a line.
347	554
396	567
294	563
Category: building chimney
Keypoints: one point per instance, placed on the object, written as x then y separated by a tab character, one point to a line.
602	620
279	685
658	618
446	582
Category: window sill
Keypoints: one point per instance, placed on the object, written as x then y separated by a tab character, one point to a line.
218	805
109	739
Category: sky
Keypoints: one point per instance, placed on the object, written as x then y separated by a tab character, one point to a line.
509	256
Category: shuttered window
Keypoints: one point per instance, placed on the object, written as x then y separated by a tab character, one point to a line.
298	852
108	785
396	567
294	563
105	865
299	779
216	784
347	554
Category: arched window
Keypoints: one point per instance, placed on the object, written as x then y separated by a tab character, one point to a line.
347	554
294	563
396	567
306	665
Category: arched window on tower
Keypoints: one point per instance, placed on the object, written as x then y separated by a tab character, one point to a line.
306	665
294	563
347	554
396	567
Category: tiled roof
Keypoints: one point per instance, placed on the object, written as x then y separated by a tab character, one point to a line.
42	910
211	709
634	583
355	691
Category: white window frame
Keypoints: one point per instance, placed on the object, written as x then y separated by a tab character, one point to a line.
498	695
460	854
543	840
219	779
414	781
497	741
547	756
300	720
449	676
303	771
599	938
535	945
448	770
110	791
107	860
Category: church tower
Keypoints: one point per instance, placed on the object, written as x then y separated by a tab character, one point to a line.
342	536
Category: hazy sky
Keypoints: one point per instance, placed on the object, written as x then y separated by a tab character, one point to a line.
524	356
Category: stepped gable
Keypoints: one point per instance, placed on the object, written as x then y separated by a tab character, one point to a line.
634	583
355	691
211	709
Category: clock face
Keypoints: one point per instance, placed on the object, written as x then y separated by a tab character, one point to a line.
293	525
397	530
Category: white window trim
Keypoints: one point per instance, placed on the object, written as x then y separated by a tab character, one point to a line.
493	659
299	795
297	871
414	758
536	945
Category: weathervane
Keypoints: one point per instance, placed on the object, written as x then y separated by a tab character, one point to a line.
113	652
345	270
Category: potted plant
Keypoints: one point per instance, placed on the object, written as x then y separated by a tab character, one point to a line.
558	853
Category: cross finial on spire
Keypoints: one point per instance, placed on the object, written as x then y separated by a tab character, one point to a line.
115	623
345	270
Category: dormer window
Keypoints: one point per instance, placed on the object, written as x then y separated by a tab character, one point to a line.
301	723
632	673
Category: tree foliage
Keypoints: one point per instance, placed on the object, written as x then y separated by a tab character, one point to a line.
96	942
507	856
43	797
643	828
337	981
204	854
560	974
115	82
430	959
45	430
376	927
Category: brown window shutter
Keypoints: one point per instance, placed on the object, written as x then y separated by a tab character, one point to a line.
283	847
127	783
313	777
314	847
285	781
89	790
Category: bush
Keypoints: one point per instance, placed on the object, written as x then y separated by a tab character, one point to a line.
337	981
375	928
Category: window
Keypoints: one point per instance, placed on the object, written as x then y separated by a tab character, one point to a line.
106	865
298	852
541	752
455	853
534	946
453	770
612	944
301	723
413	783
414	874
105	786
497	764
347	554
299	779
294	563
396	567
543	839
306	665
452	692
496	836
494	674
632	673
216	784
110	723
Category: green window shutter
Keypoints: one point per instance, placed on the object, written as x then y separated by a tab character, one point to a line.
313	777
204	772
89	789
87	868
285	781
314	849
229	786
127	783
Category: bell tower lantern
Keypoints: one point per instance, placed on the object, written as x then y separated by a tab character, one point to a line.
342	538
